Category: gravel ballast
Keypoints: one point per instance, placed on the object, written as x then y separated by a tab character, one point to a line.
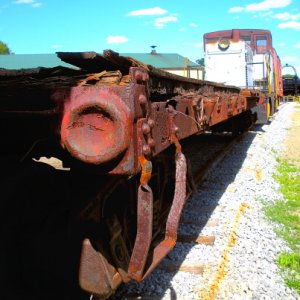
241	263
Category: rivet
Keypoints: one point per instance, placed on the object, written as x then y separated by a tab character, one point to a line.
151	142
146	150
170	108
145	128
138	76
145	77
151	123
142	99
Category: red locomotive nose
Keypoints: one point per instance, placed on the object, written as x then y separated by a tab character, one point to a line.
95	125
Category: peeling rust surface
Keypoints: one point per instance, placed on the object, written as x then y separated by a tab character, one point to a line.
144	233
96	125
169	241
96	275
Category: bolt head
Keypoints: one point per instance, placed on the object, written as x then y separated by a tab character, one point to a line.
142	100
146	128
151	143
138	76
146	150
151	123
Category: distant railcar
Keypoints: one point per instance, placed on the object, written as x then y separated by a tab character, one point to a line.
291	85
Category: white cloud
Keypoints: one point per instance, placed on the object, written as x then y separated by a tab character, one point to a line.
161	22
297	45
291	24
199	45
155	11
33	3
193	25
37	4
267	5
281	44
56	46
182	29
287	16
116	39
24	1
236	9
261	6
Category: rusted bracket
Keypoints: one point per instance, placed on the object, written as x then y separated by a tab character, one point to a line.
145	213
144	223
169	241
96	274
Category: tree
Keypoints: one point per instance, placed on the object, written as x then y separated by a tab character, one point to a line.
4	48
200	62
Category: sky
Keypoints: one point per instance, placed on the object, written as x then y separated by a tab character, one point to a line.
132	26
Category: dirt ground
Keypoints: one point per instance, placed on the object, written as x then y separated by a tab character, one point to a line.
292	143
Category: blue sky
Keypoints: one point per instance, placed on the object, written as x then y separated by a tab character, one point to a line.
174	26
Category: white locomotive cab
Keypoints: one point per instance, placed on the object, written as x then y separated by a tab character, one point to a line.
229	63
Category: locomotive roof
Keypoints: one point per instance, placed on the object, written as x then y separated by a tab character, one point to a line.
228	31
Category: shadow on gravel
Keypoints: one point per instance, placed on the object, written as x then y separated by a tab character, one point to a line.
207	197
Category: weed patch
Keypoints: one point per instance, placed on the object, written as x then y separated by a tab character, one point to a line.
287	214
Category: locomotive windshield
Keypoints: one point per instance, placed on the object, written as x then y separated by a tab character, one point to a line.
261	44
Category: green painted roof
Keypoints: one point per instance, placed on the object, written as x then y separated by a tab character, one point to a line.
163	60
28	61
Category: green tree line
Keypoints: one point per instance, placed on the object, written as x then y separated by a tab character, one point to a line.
4	49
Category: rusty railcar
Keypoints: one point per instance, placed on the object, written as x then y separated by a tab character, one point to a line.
116	125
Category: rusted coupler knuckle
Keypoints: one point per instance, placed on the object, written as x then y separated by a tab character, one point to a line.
96	124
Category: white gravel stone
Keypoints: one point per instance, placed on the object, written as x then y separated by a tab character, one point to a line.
241	264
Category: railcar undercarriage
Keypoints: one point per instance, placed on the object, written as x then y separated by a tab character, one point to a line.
111	214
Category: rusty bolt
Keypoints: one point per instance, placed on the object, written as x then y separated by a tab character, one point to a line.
145	128
176	129
146	150
142	99
170	108
151	143
151	123
138	76
145	77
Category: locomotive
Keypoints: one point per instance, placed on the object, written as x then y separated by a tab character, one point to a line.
110	212
246	58
291	84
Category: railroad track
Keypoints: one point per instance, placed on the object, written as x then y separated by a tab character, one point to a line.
200	228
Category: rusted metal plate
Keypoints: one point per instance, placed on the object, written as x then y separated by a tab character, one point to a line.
169	241
96	274
96	126
175	267
144	233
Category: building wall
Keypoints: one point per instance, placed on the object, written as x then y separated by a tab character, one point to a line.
190	73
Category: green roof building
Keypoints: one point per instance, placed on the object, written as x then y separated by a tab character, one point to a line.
171	62
29	61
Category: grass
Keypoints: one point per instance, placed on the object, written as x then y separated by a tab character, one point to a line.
287	213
